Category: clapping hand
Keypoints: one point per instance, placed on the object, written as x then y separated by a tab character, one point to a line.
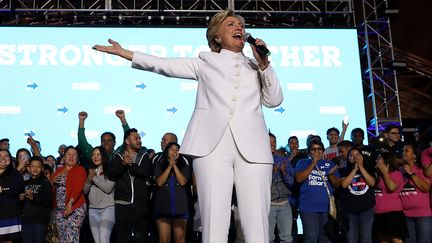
275	168
29	194
333	170
127	159
382	167
91	174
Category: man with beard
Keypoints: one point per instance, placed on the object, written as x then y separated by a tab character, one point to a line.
130	171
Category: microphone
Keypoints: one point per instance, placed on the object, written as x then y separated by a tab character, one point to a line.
260	48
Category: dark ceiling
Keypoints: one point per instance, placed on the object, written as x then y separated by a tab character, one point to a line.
412	40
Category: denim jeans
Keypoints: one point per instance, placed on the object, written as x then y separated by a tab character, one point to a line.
420	229
313	227
101	223
282	216
360	226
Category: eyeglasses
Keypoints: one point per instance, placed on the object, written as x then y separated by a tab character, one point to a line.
395	133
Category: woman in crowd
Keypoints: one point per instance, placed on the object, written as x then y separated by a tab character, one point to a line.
389	221
23	158
11	185
426	154
172	173
357	197
51	161
69	183
314	199
37	203
415	198
100	192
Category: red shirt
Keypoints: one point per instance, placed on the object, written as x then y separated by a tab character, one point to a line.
75	181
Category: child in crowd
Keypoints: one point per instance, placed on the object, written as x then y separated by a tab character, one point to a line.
37	203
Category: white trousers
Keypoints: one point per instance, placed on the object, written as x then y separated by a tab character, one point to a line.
101	223
215	175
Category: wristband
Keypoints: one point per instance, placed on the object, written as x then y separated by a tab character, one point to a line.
411	175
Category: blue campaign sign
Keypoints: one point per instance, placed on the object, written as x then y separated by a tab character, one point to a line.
49	74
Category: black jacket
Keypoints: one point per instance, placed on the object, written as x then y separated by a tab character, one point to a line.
38	210
165	198
12	184
125	190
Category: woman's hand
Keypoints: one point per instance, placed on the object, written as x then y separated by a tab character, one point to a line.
68	209
275	168
359	163
22	165
333	170
172	162
262	60
408	169
29	194
383	168
91	174
116	49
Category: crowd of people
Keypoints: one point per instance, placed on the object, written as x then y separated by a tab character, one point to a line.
132	193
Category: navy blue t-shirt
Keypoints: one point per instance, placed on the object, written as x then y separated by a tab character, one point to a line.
313	194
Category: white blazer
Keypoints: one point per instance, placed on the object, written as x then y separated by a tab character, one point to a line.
231	90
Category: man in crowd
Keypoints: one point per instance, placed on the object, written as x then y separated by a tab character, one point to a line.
130	172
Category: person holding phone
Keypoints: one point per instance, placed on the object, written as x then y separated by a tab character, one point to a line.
23	159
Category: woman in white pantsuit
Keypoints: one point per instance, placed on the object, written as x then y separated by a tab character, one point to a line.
226	135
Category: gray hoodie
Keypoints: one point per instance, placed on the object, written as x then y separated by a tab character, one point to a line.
100	190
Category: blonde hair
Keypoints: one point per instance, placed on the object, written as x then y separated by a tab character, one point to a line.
214	26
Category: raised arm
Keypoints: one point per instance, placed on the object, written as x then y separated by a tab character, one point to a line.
171	67
388	181
122	116
370	179
346	181
422	183
302	175
271	92
83	144
344	129
34	146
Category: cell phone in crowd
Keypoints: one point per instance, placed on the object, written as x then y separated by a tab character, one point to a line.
345	120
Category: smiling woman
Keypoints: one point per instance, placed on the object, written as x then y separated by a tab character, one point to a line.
11	185
226	142
70	204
